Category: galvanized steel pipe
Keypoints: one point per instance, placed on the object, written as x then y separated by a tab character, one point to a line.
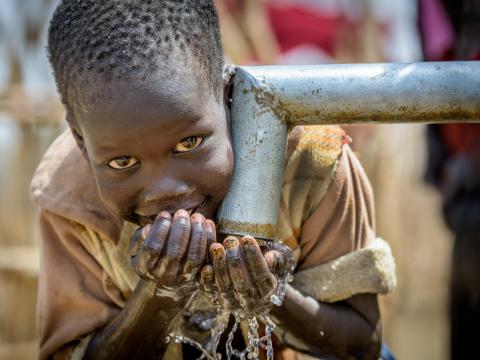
267	100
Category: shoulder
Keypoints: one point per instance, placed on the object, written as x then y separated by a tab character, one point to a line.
64	185
323	141
313	155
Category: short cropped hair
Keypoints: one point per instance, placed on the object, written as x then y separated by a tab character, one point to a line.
119	38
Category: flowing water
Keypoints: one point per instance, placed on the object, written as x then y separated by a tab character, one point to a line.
254	341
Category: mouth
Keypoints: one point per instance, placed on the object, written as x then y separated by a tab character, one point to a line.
149	219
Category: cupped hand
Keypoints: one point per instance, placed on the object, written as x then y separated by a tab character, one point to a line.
171	251
242	277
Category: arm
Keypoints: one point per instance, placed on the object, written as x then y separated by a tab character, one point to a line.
140	330
167	257
73	301
345	329
340	223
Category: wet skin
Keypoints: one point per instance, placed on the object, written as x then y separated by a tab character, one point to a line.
162	158
156	147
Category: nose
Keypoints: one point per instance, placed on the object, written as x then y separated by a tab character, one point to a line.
165	189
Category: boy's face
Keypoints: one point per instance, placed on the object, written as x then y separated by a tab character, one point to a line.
159	146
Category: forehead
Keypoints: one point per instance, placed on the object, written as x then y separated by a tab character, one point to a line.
155	93
107	106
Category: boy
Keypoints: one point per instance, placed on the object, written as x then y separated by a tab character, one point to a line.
149	146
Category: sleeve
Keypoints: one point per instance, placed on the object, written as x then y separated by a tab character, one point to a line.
344	219
340	255
72	301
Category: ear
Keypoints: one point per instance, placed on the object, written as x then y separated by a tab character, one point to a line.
77	134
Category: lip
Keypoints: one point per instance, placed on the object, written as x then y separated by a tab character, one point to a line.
148	219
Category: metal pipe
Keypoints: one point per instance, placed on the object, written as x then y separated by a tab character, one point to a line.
267	100
258	137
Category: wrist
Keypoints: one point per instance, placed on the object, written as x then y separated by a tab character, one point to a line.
151	295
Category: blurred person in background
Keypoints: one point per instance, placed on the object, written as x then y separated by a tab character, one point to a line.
451	31
297	31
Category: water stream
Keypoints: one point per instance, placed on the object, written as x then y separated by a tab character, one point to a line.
254	344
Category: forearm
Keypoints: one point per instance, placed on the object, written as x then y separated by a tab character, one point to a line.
140	330
338	330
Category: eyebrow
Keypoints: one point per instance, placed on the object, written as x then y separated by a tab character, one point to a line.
106	148
184	124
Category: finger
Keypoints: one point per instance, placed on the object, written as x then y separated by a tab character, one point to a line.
238	272
137	239
287	263
284	249
211	232
136	262
158	233
207	284
175	248
155	240
196	247
222	279
276	262
261	275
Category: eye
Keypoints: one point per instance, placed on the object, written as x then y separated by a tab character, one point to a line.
122	162
188	144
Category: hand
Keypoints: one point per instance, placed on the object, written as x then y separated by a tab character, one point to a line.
170	252
241	277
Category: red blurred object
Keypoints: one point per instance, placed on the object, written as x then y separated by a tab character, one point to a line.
296	25
460	138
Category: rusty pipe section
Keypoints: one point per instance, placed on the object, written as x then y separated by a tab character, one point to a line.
267	100
259	136
425	92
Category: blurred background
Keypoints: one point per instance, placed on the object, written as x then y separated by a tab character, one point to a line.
409	210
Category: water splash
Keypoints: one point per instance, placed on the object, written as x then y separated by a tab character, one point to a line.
266	341
254	341
220	325
279	294
229	349
197	345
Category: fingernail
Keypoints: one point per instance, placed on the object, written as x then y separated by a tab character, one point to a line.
210	225
232	247
198	218
217	251
181	214
164	215
146	229
207	273
249	241
230	241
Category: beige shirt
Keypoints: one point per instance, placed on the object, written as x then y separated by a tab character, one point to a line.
326	212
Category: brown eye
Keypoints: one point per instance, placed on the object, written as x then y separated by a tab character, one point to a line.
188	144
122	162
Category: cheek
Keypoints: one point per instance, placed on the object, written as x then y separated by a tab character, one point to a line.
117	197
218	170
